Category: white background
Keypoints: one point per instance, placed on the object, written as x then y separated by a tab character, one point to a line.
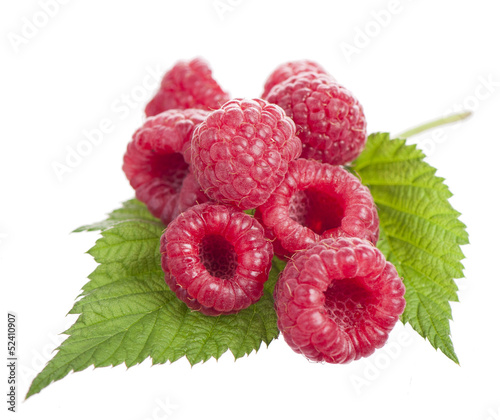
77	68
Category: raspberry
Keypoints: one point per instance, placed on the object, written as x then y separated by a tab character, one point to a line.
279	251
187	85
190	194
316	201
216	258
330	120
240	153
154	162
286	70
338	300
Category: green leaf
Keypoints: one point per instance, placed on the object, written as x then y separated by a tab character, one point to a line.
128	313
420	233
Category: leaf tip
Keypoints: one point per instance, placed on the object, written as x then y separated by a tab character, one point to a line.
454	358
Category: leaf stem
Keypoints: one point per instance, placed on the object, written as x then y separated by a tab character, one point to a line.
434	123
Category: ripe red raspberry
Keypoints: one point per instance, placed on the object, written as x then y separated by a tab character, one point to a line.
190	195
216	258
154	162
189	84
240	153
338	300
286	70
316	201
279	251
330	120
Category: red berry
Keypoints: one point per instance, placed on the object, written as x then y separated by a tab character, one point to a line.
316	201
279	251
330	120
216	258
154	162
240	153
286	70
338	300
190	194
189	84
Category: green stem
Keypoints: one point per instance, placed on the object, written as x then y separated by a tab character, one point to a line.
435	123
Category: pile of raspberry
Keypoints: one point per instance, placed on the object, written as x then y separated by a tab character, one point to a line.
239	181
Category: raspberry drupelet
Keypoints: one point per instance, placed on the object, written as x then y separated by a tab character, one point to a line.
190	194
